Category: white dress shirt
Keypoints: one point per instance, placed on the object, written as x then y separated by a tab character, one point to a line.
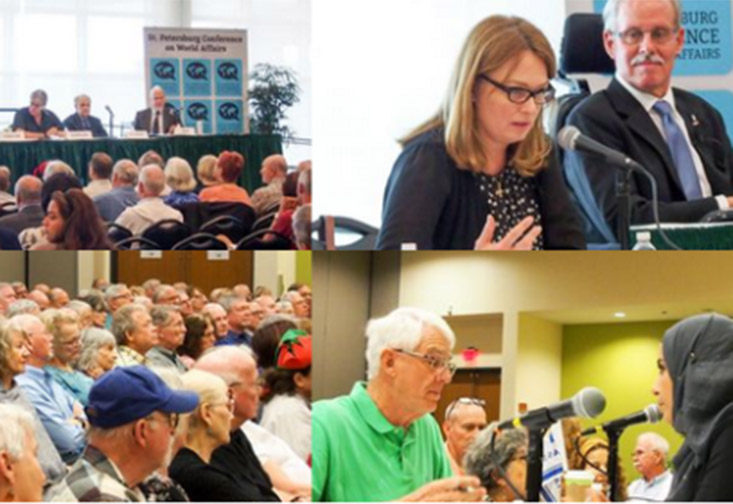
655	490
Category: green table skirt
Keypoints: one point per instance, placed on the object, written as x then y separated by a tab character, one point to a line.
23	157
713	236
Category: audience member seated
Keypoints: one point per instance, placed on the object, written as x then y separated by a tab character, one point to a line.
273	172
7	297
98	352
58	297
57	166
205	172
124	179
133	414
82	120
22	306
83	312
30	213
200	336
267	338
464	419
198	298
301	308
171	330
73	223
238	318
650	459
135	335
151	208
219	315
179	178
35	121
229	167
594	452
21	476
302	227
116	296
100	175
5	181
151	157
39	298
509	452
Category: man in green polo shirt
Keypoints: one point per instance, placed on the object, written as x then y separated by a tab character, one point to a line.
380	442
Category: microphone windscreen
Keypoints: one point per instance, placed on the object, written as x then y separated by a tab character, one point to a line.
589	402
567	137
653	413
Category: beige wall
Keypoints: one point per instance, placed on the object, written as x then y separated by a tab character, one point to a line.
275	270
12	266
539	361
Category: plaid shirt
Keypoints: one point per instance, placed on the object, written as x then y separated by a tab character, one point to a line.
93	478
126	356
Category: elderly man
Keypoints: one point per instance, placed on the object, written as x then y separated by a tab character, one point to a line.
171	330
301	309
29	214
650	459
464	419
40	298
380	442
7	297
100	175
133	415
61	414
236	463
267	302
161	118
35	121
166	295
667	130
116	296
58	297
5	181
135	334
151	208
219	316
21	291
239	318
124	179
150	286
82	120
273	171
21	476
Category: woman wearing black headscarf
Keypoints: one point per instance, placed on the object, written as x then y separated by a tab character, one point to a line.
695	393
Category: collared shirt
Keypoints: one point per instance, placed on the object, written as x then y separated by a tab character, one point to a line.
655	490
147	212
126	356
159	356
266	197
359	455
24	120
235	338
55	408
647	101
94	478
289	418
114	202
74	382
97	187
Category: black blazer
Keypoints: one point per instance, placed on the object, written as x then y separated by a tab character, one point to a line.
73	123
616	119
429	201
144	118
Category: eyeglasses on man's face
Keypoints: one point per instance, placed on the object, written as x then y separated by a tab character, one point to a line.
436	363
474	401
520	95
659	35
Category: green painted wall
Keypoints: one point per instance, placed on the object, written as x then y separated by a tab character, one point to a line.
303	269
619	359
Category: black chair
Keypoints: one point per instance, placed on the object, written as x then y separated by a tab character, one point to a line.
227	225
117	233
366	234
167	233
200	241
196	215
136	242
7	208
254	241
272	207
264	222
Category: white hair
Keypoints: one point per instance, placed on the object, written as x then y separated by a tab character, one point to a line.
57	166
179	175
16	425
403	329
610	14
657	442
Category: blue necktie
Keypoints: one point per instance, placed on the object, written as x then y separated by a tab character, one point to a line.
85	124
680	151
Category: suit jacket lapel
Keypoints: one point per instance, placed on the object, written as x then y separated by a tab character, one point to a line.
637	120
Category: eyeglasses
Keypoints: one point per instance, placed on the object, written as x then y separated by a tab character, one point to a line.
172	419
659	35
521	95
437	364
464	400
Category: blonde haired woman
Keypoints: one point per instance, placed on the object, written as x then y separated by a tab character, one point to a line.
179	177
481	173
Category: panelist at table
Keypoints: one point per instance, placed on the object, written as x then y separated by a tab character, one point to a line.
160	118
82	120
35	121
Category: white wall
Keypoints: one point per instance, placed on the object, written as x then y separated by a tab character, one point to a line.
380	68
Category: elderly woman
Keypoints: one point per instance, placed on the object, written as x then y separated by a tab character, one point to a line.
502	468
179	177
200	336
83	311
481	173
205	170
95	299
594	456
229	167
98	352
21	476
694	391
208	428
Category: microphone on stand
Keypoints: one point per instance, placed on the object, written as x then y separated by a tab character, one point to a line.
650	414
111	119
588	403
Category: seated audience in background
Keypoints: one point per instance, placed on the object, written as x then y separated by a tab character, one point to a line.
305	292
594	453
124	180
7	297
283	222
35	121
116	296
9	240
100	175
151	208
219	315
302	227
30	213
464	419
238	318
650	459
171	331
200	336
198	298
21	291
57	166
135	334
95	299
287	412
242	290
206	171
151	157
267	338
23	306
273	172
98	352
160	118
82	120
21	476
132	414
179	177
83	312
39	298
301	308
208	429
166	295
5	181
229	167
267	302
58	297
73	223
509	452
150	286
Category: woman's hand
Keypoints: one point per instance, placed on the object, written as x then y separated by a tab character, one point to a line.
520	237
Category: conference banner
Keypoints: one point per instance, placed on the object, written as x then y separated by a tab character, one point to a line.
705	64
203	73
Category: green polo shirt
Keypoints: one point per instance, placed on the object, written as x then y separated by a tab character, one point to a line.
359	456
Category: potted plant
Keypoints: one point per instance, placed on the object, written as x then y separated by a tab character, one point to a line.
273	90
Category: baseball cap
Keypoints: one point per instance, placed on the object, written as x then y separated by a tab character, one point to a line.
125	394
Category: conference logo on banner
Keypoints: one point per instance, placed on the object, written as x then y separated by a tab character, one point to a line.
228	78
197	77
229	115
166	74
199	110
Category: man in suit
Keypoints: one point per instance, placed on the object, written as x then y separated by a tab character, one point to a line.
160	118
30	213
83	120
674	134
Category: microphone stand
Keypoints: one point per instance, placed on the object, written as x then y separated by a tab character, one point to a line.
613	437
535	453
623	197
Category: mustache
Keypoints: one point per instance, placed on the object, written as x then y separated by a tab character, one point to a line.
647	58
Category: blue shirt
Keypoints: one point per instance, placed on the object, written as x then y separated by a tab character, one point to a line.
111	204
55	407
74	382
75	122
233	338
25	121
177	198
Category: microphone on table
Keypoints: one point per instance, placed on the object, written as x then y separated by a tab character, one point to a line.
570	138
588	403
111	119
650	414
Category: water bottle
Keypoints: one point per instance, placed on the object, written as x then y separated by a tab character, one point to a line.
644	241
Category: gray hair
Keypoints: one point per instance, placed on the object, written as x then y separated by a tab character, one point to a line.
40	94
163	314
227	302
403	329
154	89
163	290
80	307
478	461
92	339
610	14
79	98
302	225
16	426
28	189
122	322
657	442
150	180
113	291
94	298
57	166
22	306
151	283
179	175
127	171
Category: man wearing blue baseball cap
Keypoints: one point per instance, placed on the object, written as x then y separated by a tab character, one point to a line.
132	414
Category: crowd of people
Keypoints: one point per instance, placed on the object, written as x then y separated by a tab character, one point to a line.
154	392
51	210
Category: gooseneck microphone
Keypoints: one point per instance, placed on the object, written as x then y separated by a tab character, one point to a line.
588	403
111	119
650	414
570	138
